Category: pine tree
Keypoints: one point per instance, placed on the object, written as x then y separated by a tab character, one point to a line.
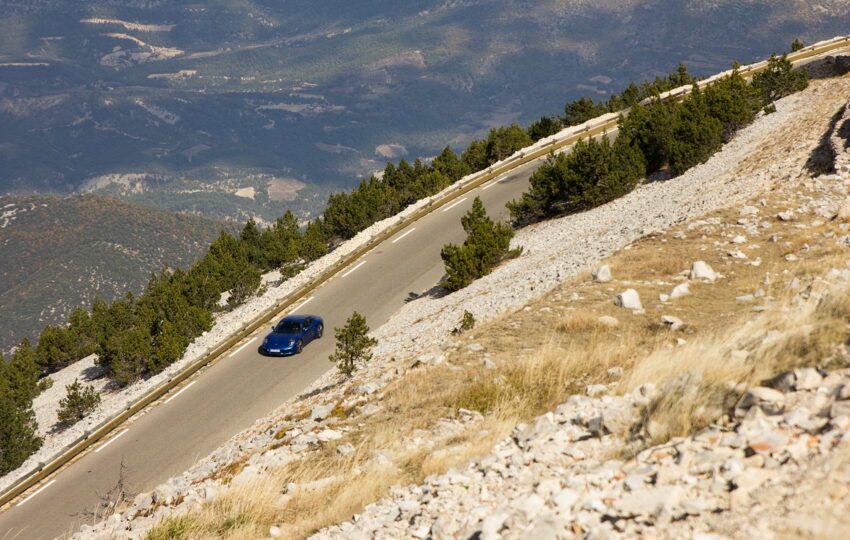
475	156
18	432
79	402
450	165
504	141
486	245
697	135
20	375
652	128
169	345
797	45
544	127
313	243
353	344
125	354
581	110
731	101
780	79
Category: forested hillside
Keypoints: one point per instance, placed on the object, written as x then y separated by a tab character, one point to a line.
59	253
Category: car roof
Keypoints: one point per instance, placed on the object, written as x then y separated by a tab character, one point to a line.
296	318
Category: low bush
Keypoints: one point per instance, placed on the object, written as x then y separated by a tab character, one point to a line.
79	402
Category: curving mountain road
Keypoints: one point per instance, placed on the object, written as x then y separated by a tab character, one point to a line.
227	397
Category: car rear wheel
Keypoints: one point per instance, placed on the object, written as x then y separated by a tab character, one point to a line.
320	330
299	346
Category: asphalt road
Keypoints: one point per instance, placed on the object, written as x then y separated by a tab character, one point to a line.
193	420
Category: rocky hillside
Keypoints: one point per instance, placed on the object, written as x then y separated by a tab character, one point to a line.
59	253
694	385
234	108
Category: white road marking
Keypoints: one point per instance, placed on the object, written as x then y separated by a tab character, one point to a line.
112	440
302	304
180	391
242	347
355	268
405	234
449	207
36	492
491	184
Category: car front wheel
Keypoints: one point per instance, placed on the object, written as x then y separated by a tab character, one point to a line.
320	330
299	347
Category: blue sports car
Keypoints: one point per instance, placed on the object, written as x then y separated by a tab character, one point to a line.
291	334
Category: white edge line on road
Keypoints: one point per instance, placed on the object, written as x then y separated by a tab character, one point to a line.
242	347
180	391
36	492
449	207
355	268
112	440
405	234
491	184
302	304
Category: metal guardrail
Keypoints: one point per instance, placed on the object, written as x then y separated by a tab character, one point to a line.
563	139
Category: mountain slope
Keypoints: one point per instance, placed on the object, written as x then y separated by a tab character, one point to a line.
548	334
58	253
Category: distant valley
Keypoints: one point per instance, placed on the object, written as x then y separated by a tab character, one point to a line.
237	109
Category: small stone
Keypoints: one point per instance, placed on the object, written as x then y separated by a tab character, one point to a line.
844	212
749	211
739	239
767	441
788	215
650	502
274	531
367	388
664	297
791	257
701	270
475	347
674	323
345	449
607	320
594	390
807	379
565	500
488	363
737	254
629	299
680	290
321	412
769	400
602	274
615	372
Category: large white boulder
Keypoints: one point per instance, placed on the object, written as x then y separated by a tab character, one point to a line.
680	290
629	299
603	274
701	270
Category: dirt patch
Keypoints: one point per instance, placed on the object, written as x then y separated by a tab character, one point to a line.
284	189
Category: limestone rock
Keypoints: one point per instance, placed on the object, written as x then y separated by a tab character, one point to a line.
602	274
680	290
701	270
629	299
608	321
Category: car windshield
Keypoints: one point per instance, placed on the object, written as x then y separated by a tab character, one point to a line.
288	327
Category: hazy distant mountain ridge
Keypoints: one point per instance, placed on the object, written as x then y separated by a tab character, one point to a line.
59	253
209	108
